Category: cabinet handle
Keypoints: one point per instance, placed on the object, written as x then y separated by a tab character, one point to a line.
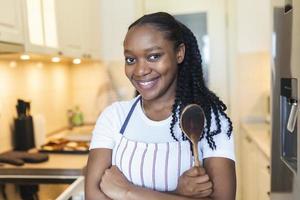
268	193
248	139
268	168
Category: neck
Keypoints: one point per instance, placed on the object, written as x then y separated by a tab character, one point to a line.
158	109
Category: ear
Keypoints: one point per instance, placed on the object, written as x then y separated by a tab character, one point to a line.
180	53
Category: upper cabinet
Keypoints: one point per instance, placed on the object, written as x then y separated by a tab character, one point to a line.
79	27
40	26
253	26
10	21
92	30
70	23
62	27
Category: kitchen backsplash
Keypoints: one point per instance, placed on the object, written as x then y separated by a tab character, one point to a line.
53	88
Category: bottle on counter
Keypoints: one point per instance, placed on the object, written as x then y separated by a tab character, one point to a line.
77	118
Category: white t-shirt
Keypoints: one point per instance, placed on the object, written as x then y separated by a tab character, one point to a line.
142	129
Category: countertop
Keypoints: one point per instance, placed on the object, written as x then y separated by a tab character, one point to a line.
60	168
260	134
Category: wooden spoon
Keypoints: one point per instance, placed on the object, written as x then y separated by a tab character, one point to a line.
192	122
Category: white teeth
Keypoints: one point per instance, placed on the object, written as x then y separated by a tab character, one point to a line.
146	83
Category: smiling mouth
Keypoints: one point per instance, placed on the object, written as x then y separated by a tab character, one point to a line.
148	84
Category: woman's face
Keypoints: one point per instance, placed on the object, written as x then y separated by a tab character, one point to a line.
151	62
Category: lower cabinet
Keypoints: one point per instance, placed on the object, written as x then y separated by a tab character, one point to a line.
256	177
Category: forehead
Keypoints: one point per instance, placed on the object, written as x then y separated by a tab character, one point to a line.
145	37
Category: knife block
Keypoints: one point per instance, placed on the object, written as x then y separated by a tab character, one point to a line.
24	133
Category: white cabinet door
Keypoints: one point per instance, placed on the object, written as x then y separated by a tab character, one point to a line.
256	179
40	26
10	21
92	32
70	21
254	28
264	178
249	169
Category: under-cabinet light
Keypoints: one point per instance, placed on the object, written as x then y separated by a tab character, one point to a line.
76	61
24	57
55	59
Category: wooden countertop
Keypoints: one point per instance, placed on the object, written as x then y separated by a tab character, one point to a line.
260	134
59	167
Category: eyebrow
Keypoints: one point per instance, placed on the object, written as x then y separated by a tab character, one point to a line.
147	50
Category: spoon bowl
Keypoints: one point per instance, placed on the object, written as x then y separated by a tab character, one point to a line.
192	122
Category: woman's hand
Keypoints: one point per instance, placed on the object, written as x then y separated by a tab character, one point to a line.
114	184
194	183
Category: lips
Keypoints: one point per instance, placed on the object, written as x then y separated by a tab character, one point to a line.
146	84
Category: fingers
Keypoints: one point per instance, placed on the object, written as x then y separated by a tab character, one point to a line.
201	179
195	171
205	193
204	186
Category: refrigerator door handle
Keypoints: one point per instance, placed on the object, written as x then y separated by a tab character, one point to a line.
293	117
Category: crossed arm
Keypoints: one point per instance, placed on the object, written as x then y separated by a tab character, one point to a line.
104	182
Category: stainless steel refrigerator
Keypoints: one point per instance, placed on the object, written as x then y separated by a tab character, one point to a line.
285	161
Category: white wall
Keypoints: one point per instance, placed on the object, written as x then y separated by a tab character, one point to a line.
46	85
53	88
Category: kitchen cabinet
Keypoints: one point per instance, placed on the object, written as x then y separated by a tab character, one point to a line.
11	29
249	178
256	177
263	178
116	25
40	26
70	22
79	28
92	43
253	27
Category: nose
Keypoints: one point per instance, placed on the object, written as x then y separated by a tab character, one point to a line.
141	68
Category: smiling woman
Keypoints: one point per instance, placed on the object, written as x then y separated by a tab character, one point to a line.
138	150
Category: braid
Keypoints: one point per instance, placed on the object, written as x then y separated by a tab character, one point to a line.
191	87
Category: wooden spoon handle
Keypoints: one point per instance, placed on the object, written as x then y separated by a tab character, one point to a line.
196	155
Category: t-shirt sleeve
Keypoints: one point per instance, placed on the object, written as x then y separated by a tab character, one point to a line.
224	144
105	130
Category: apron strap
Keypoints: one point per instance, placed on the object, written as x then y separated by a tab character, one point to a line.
129	115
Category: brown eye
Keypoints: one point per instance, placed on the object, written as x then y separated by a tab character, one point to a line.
129	60
154	57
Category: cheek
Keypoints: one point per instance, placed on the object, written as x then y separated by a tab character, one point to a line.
168	68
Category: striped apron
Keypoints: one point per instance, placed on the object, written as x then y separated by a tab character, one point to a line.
151	165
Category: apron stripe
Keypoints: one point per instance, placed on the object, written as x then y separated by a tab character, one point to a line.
153	166
130	160
166	168
121	159
118	150
142	166
179	159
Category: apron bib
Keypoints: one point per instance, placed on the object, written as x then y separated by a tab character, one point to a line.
151	165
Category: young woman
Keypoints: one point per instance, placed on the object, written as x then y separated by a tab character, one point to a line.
138	150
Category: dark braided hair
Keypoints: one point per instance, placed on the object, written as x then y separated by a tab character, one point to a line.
191	86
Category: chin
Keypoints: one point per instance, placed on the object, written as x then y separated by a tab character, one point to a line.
148	96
